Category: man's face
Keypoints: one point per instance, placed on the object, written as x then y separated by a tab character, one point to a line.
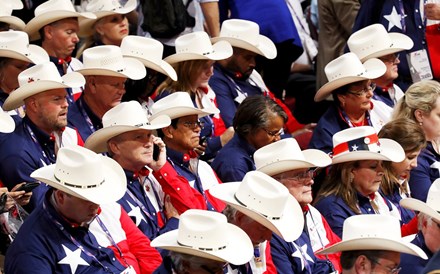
61	36
242	61
256	231
134	149
51	109
76	210
9	74
199	265
185	136
107	91
299	183
386	264
431	233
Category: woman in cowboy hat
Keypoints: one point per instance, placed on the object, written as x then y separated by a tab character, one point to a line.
394	185
352	185
193	63
350	83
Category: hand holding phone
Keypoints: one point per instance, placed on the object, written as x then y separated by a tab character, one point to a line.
28	187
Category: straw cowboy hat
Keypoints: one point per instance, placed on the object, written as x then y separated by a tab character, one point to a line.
347	69
7	124
84	174
40	78
286	155
125	117
179	104
197	46
374	41
108	61
362	143
103	8
246	35
149	51
6	8
51	11
207	234
15	45
432	205
373	232
266	201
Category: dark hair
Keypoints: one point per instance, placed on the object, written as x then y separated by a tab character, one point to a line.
348	258
255	112
173	124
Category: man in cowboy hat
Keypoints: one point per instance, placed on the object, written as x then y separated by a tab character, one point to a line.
106	71
285	162
43	130
204	243
181	138
128	139
250	207
56	24
373	244
235	78
428	237
78	226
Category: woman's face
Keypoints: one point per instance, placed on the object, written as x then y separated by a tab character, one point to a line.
270	134
358	97
112	29
203	75
431	122
401	170
9	74
367	176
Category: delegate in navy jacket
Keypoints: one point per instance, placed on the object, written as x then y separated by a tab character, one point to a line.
297	256
426	172
413	264
234	160
433	264
405	214
82	118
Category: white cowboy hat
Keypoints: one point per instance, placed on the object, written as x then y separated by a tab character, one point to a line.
246	35
6	8
207	234
51	11
125	117
108	61
15	45
179	104
197	46
266	201
7	124
373	232
362	143
103	8
149	51
286	155
84	174
432	205
40	78
347	69
374	41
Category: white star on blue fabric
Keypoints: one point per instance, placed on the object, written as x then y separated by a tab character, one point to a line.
394	19
136	213
302	255
354	147
73	259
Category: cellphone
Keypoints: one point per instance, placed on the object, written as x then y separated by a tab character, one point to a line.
28	187
156	151
202	140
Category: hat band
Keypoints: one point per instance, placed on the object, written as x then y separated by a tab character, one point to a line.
360	144
207	53
143	124
78	186
265	216
204	248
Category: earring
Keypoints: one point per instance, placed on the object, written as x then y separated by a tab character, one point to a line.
420	123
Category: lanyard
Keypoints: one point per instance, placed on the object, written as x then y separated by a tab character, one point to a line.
303	258
347	120
144	209
402	16
45	159
83	112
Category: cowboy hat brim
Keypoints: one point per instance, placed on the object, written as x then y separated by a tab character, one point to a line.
86	26
134	70
7	124
374	243
289	226
234	253
390	151
312	158
17	97
111	190
401	42
32	28
97	142
374	68
161	66
15	22
37	55
265	47
221	51
418	205
181	111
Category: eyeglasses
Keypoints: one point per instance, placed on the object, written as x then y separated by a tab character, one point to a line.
363	91
214	269
391	58
395	270
274	133
301	177
193	125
